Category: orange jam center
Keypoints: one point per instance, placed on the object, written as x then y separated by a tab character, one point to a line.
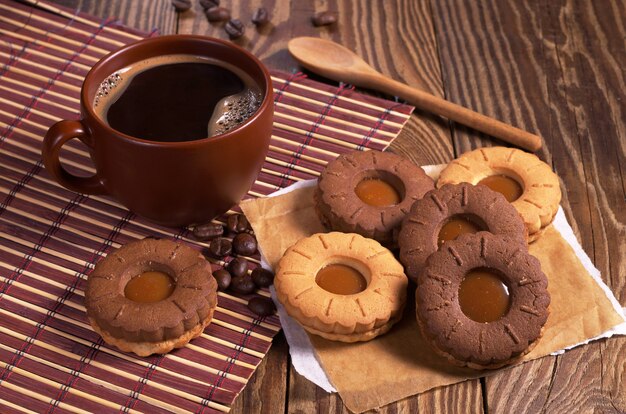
483	297
456	226
508	187
149	287
377	193
340	279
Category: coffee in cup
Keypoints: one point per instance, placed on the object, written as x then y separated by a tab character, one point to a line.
177	98
180	149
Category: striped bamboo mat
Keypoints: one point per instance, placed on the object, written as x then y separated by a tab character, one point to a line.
50	238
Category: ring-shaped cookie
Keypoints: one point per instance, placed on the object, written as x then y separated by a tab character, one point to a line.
541	195
348	318
420	228
156	327
339	207
462	340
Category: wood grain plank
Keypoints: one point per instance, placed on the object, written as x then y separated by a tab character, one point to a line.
267	388
537	375
142	15
595	76
593	57
465	397
398	40
305	397
553	68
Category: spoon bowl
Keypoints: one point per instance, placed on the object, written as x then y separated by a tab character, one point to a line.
328	58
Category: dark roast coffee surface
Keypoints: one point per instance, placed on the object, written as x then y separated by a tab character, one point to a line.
172	102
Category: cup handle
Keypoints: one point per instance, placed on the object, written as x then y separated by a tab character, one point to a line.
55	138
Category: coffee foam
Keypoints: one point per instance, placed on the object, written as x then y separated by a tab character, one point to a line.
233	111
229	112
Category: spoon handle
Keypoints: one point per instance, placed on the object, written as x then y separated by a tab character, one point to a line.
457	113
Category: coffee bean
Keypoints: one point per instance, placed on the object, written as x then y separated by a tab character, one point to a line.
217	14
324	18
223	279
237	223
260	16
262	277
238	267
262	306
244	244
235	28
207	4
181	5
243	284
208	231
220	247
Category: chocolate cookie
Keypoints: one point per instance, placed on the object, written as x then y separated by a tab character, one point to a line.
527	182
462	306
449	211
136	320
369	193
342	287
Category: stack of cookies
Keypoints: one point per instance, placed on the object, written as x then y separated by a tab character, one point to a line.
481	298
527	182
345	285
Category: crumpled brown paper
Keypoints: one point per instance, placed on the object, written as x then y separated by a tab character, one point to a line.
399	364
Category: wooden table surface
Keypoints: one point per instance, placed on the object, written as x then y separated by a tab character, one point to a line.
553	67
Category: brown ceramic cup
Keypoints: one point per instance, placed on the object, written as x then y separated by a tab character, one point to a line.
170	183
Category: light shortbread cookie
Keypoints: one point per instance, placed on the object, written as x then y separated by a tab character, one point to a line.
341	317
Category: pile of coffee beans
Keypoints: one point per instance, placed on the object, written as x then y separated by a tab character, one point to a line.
234	276
216	13
234	27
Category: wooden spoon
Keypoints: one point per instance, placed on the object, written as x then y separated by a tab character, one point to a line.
334	61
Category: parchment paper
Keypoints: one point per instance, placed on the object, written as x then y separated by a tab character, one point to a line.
399	364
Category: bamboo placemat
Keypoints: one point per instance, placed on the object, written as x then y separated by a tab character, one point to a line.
51	238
